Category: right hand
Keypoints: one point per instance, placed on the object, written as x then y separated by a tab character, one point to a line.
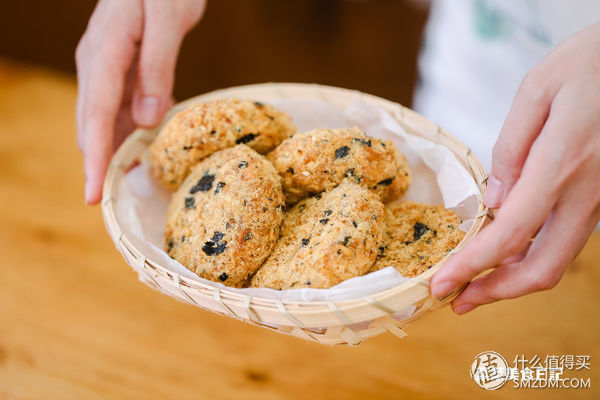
125	72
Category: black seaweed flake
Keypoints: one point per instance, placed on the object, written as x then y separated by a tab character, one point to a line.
258	104
386	182
307	282
190	202
342	152
363	141
324	221
318	197
170	245
248	236
419	230
407	242
305	242
346	240
223	277
281	207
350	173
301	208
327	213
215	245
290	170
355	224
219	186
243	164
213	132
187	147
182	238
246	138
204	184
217	236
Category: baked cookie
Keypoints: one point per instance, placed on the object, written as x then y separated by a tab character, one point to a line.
202	129
417	237
224	219
318	160
325	240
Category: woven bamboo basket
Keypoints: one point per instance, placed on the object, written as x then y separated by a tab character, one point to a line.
344	322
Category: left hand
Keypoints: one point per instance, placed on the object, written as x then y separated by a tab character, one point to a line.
125	73
545	179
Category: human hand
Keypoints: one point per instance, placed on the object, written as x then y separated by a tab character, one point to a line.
545	179
125	71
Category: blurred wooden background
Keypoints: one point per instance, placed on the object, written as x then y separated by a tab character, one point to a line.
369	45
75	323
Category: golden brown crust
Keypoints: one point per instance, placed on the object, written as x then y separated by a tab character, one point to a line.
325	240
417	237
225	218
203	129
318	160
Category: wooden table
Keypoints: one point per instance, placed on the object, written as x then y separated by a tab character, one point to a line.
76	324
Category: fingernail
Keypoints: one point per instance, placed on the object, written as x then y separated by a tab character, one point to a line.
147	112
442	289
493	193
463	308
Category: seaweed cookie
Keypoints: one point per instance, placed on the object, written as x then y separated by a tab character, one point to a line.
318	160
325	240
417	237
224	219
202	129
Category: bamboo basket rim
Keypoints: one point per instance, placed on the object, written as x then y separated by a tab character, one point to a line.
294	311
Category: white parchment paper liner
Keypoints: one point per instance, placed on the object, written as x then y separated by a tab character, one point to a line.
437	177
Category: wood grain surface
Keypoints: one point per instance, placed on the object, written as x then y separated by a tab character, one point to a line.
76	324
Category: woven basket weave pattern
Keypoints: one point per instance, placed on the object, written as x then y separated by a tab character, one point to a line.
344	322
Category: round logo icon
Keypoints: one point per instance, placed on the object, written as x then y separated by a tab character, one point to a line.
489	370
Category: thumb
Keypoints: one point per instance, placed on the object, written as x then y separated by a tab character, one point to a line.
522	126
160	45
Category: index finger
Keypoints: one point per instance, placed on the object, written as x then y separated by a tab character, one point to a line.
101	73
526	208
